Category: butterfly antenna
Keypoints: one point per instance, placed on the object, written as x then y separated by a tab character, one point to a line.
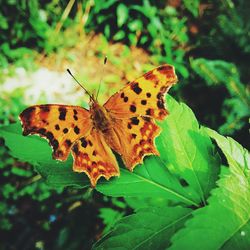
99	87
80	85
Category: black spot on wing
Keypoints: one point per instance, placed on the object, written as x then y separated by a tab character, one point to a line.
159	95
45	108
75	149
84	143
135	120
65	130
42	131
148	112
50	136
27	113
76	130
160	104
135	87
68	142
132	108
52	141
134	136
55	144
62	113
57	127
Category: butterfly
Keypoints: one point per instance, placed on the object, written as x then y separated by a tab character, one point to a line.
124	124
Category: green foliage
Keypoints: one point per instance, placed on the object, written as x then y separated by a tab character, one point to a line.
141	23
109	217
236	108
192	6
29	25
226	220
16	32
147	229
11	106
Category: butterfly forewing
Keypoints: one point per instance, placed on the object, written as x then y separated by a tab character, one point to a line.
61	125
144	96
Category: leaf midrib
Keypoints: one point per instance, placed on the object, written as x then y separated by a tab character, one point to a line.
167	190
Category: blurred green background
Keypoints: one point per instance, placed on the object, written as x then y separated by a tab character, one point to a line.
208	42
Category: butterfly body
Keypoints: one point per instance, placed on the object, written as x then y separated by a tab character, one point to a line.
104	123
100	117
125	124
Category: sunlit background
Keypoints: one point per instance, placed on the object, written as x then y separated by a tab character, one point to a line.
208	43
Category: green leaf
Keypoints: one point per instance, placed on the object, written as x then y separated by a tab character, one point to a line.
36	151
3	22
188	149
236	109
150	179
144	202
119	35
192	6
225	222
132	38
109	217
217	72
122	14
135	25
147	229
238	157
20	172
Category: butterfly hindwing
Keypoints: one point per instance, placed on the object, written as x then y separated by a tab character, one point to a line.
61	125
144	96
138	135
93	156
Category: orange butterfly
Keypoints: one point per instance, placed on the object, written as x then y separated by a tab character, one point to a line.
125	124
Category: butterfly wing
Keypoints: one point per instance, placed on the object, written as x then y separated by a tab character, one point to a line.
138	135
93	156
144	96
61	125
